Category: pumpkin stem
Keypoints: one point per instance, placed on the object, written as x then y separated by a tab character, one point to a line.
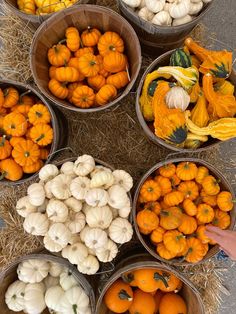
38	114
89	28
23	94
2	143
74	306
61	41
127	278
123	295
165	213
40	137
157	277
3	175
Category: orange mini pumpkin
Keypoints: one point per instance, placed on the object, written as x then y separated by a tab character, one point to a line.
154	207
97	81
106	94
58	55
26	153
41	134
88	65
15	124
211	185
10	170
201	234
202	172
119	297
225	201
74	63
189	189
72	38
119	80
58	89
175	181
157	297
115	62
5	148
172	303
174	241
143	302
147	220
11	97
148	279
196	250
52	71
157	235
164	253
150	190
186	170
83	51
44	153
208	199
174	198
67	74
205	213
34	167
188	225
189	207
164	183
39	113
110	41
171	218
167	170
83	97
14	140
90	37
221	219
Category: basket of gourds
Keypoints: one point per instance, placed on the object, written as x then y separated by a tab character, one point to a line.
29	132
141	285
86	58
163	25
186	98
174	203
42	283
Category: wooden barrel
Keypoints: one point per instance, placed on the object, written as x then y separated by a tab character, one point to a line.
35	20
224	185
164	60
57	121
145	261
9	275
53	30
155	39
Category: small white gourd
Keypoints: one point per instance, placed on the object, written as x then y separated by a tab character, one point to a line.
50	281
83	233
155	5
68	168
177	98
195	8
95	238
36	224
42	208
75	253
107	253
76	222
75	238
123	179
14	296
142	4
125	211
73	204
75	300
53	297
132	3
84	165
120	230
51	245
99	168
99	217
145	14
96	197
186	19
36	194
60	234
167	7
24	207
179	8
79	187
162	18
206	1
55	269
89	265
67	280
33	270
34	298
102	179
60	186
47	189
57	211
48	172
117	196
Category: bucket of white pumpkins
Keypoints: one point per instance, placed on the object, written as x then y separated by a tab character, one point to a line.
43	283
81	209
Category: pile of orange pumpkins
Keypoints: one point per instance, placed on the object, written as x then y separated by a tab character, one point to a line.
176	204
89	68
25	134
146	291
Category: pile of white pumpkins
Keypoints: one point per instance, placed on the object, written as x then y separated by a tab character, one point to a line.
81	210
167	12
43	284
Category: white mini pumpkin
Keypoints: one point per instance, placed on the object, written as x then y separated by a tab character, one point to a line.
47	189
120	230
155	5
60	234
162	18
89	265
36	224
99	168
14	296
68	168
76	222
125	211
24	207
60	186
50	281
57	211
75	253
132	3
48	172
99	217
183	20
96	197
206	1
179	8
95	238
74	300
34	298
83	233
117	196
79	187
84	165
36	194
195	7
123	179
73	204
145	14
102	179
33	270
177	98
67	280
108	252
51	245
55	269
53	297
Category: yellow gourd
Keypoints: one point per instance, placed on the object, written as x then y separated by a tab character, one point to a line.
224	87
195	93
199	114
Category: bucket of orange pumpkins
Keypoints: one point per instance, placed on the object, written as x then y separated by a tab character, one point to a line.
148	287
28	132
174	203
85	59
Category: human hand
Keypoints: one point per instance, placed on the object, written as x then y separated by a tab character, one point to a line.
225	238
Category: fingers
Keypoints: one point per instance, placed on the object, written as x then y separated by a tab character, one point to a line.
215	230
214	236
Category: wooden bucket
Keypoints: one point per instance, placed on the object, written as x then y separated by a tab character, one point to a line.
9	275
155	39
188	292
35	20
164	60
145	240
53	30
57	121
